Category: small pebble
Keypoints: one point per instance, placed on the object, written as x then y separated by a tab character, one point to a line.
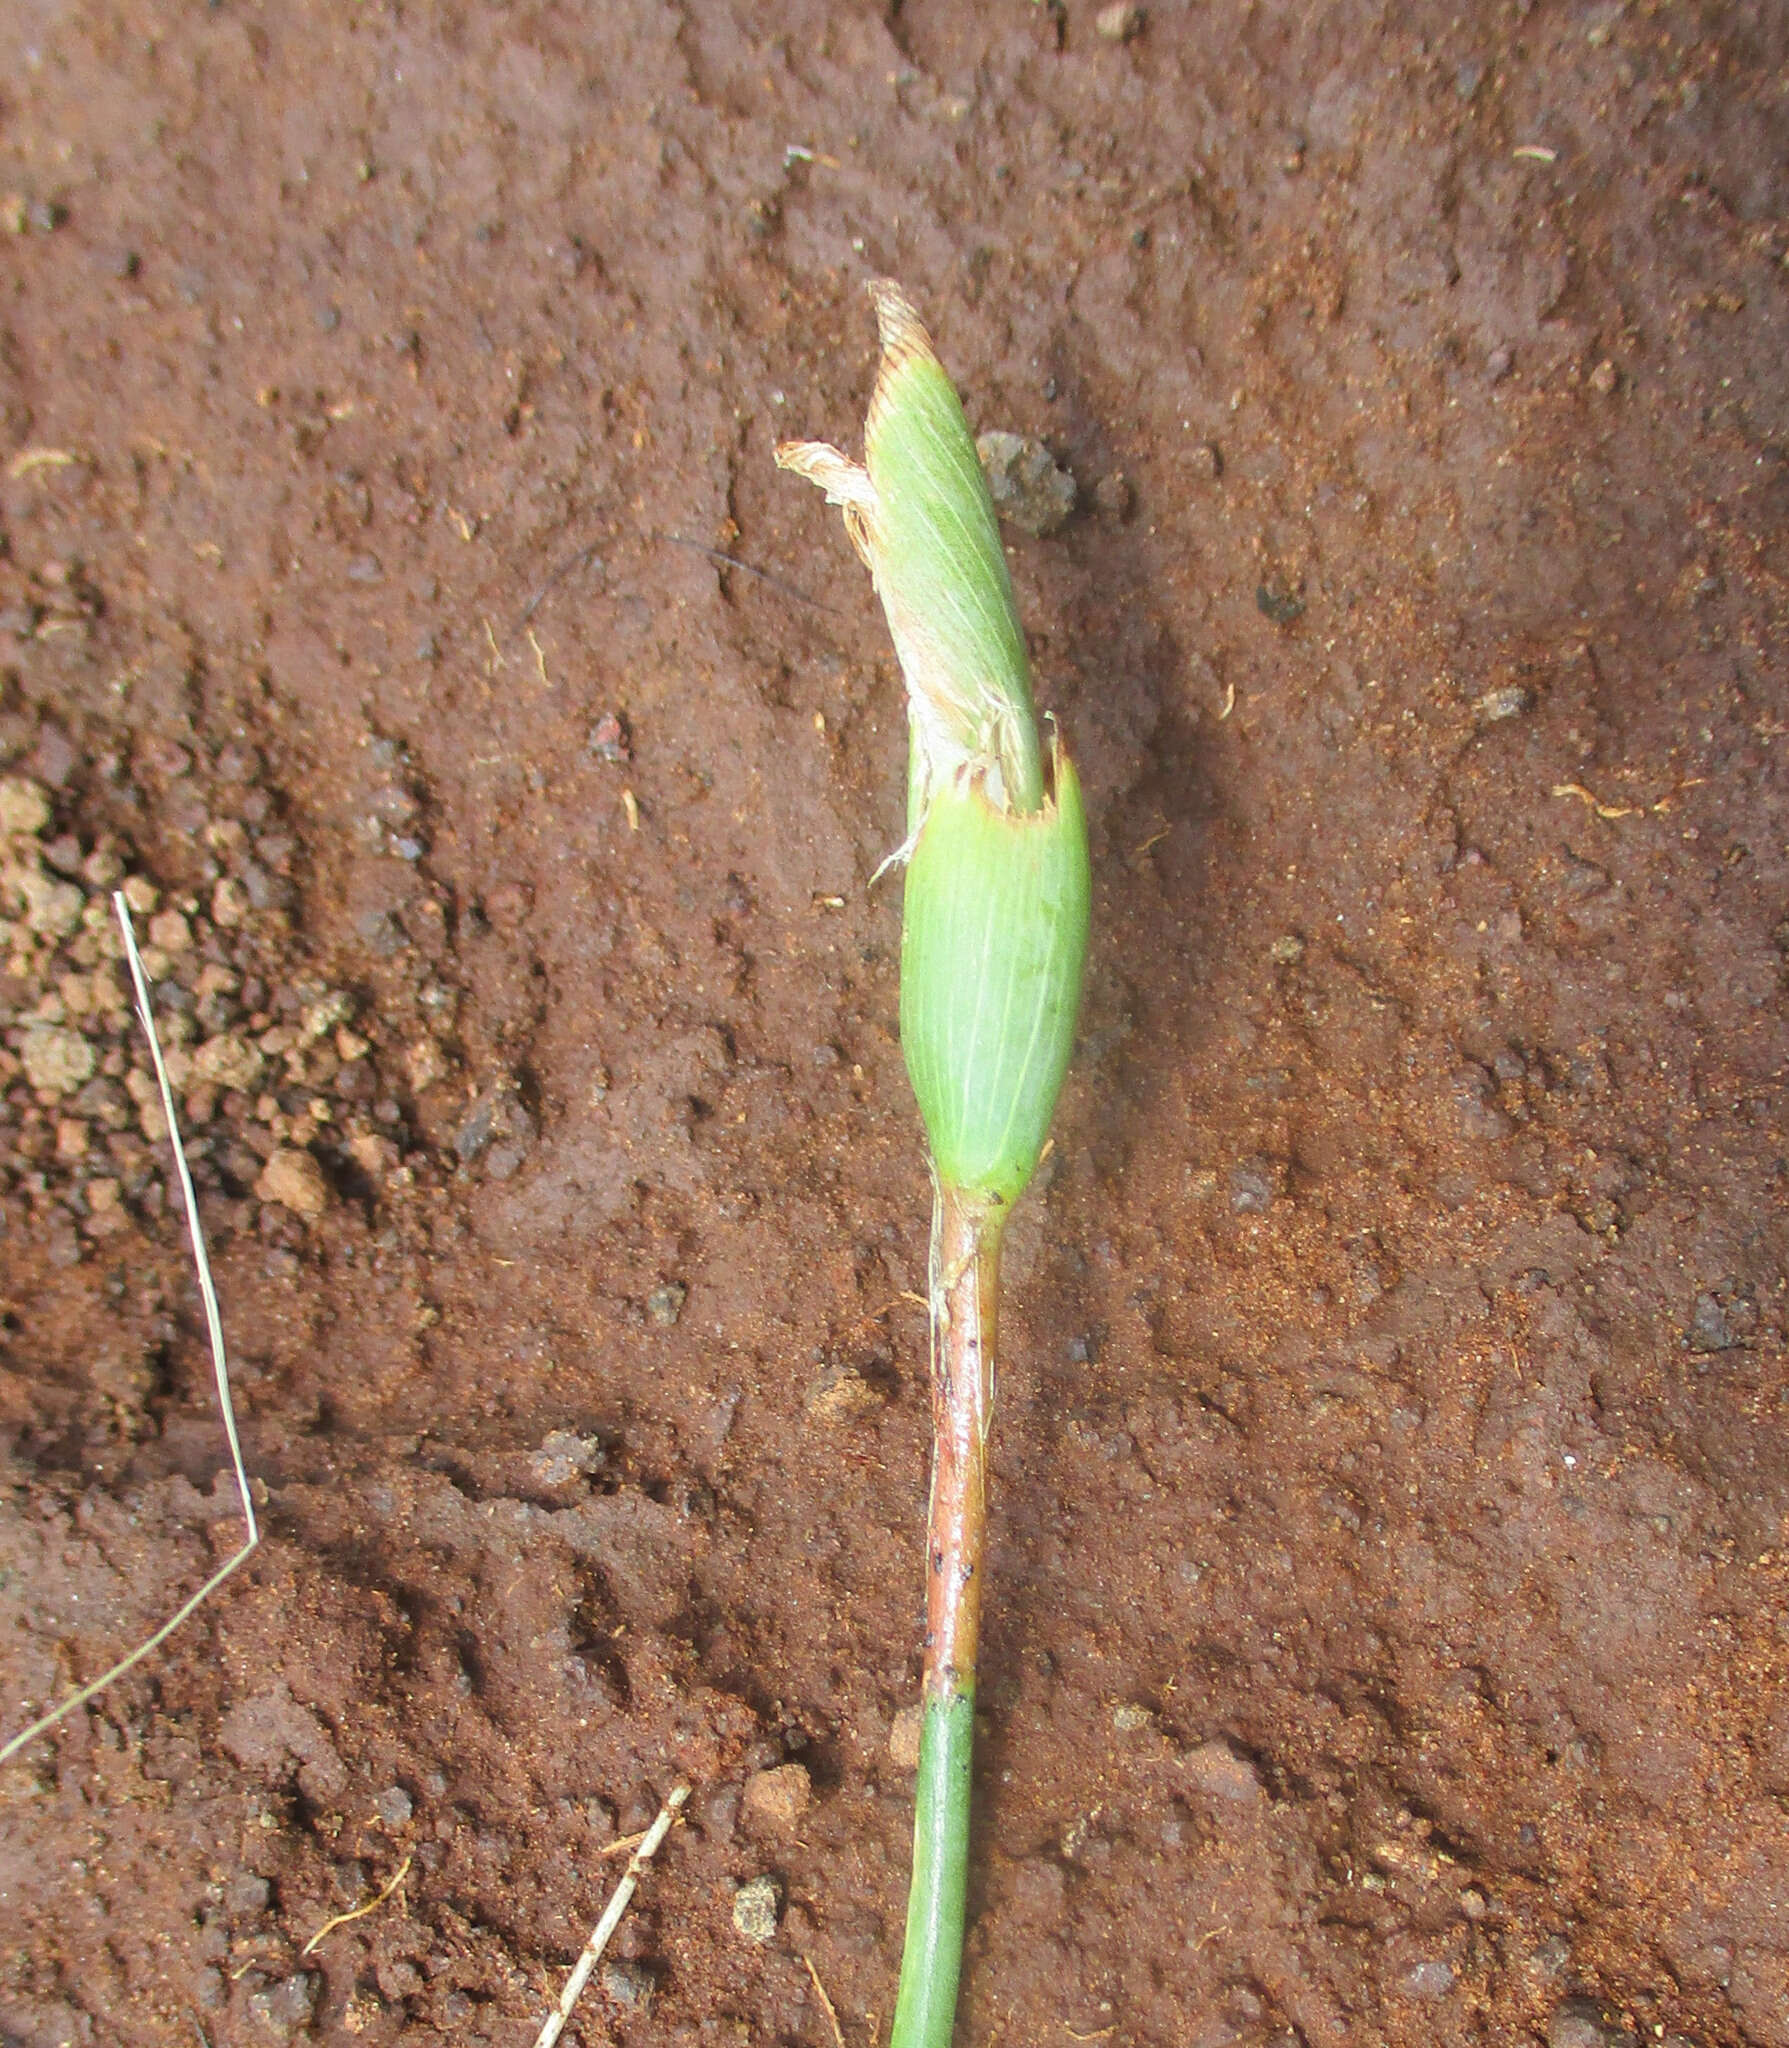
325	1015
1553	1957
1431	1978
1113	497
1475	1100
1279	600
757	1908
288	2005
1494	706
1287	950
665	1304
246	1895
780	1796
1604	377
229	1061
903	1737
1584	2023
394	1806
229	905
608	741
64	854
52	909
170	931
1206	461
628	1984
56	1061
1253	1185
295	1181
1030	491
565	1456
381	934
498	1129
1223	1773
1119	22
24	807
426	1063
1130	1717
1710	1329
840	1394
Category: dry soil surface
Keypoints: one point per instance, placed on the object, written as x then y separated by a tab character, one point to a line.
1387	1642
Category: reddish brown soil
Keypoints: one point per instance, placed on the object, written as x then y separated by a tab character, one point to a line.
1386	1637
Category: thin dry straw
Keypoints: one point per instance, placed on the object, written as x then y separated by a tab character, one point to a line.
612	1912
220	1367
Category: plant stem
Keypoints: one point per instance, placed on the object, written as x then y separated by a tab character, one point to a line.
993	943
964	1296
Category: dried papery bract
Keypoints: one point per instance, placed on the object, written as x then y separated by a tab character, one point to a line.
993	944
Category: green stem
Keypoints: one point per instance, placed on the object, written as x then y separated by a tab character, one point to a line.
964	1296
932	1959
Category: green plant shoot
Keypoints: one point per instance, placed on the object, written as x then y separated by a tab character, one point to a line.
993	943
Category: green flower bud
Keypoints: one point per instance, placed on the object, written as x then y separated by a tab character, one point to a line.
993	940
994	933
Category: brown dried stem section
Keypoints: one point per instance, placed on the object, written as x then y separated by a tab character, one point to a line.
965	1288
